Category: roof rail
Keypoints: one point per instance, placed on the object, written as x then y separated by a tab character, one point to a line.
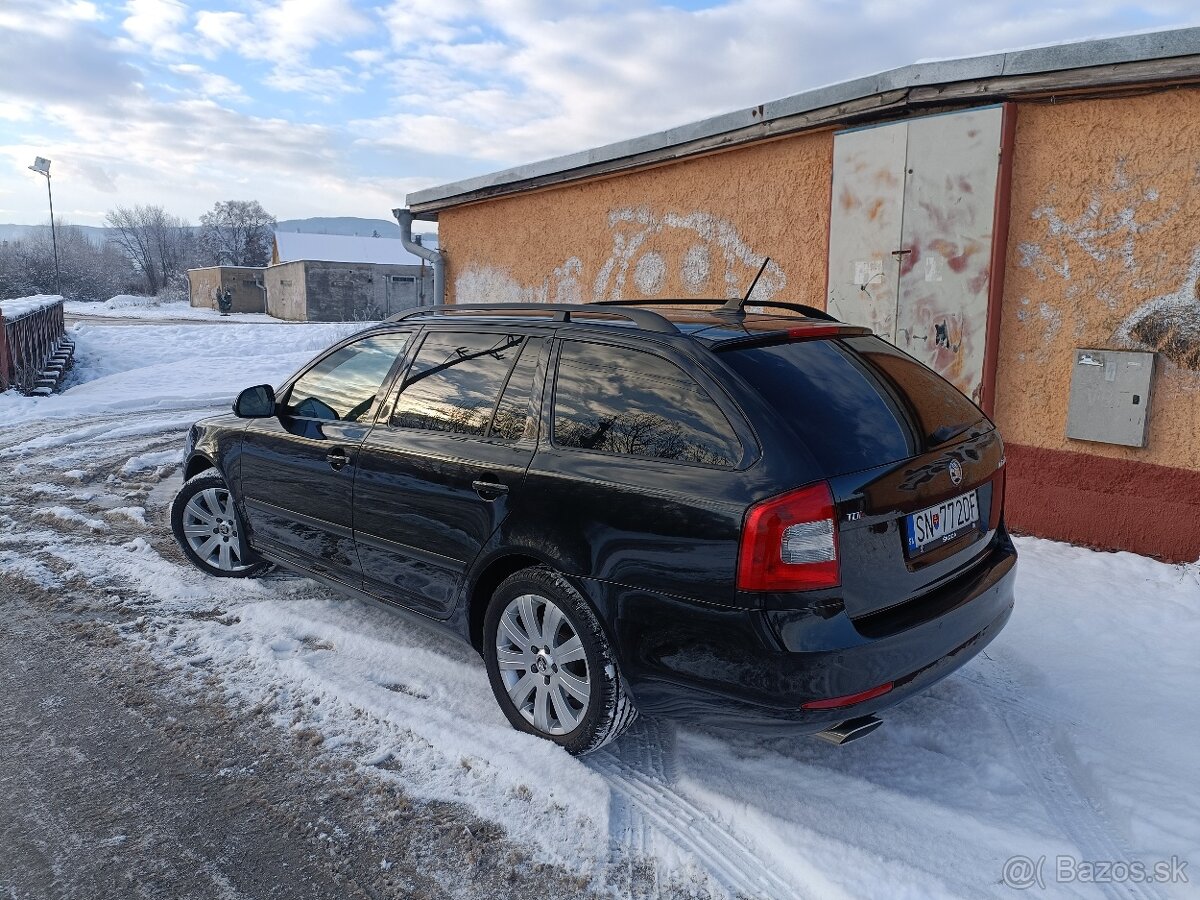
642	318
725	307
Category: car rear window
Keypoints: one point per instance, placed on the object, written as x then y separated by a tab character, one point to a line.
856	402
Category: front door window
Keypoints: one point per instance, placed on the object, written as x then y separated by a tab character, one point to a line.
345	384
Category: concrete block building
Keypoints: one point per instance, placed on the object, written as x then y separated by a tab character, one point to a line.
1027	223
340	278
245	284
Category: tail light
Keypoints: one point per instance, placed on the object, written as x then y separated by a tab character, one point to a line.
997	498
790	543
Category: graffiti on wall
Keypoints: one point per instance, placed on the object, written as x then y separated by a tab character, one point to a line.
1109	252
705	251
648	254
1107	230
911	236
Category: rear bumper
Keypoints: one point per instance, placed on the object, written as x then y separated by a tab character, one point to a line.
753	670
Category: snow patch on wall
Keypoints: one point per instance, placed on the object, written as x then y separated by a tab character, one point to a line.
22	306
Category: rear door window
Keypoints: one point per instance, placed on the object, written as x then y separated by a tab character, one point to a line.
343	386
858	402
617	400
455	381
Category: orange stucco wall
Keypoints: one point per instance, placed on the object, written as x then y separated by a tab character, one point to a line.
1104	251
697	229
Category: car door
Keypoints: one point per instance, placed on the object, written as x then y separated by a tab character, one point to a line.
439	475
297	469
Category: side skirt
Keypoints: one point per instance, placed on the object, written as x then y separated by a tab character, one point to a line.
286	562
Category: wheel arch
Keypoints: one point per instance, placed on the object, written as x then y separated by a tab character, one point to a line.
485	583
500	566
196	464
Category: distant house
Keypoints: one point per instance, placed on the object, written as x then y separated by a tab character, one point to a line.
340	278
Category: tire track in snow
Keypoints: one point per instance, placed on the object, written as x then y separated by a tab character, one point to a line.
631	837
1055	775
1052	770
647	811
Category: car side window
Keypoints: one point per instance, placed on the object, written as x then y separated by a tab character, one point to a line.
344	385
618	400
455	381
512	420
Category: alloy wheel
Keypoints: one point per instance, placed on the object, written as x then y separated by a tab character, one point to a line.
543	664
210	526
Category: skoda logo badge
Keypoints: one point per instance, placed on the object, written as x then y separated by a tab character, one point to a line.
955	471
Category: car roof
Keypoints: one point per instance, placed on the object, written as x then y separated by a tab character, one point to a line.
713	327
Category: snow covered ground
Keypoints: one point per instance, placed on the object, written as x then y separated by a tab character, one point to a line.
1074	735
132	306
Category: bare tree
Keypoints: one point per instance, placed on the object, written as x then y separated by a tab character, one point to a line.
237	233
157	243
90	271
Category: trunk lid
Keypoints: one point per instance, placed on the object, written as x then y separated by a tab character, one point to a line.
894	440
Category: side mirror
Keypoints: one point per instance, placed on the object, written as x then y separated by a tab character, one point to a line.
255	402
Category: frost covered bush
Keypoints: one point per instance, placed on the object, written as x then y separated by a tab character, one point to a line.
87	271
175	292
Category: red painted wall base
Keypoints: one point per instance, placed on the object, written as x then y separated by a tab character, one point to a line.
1110	504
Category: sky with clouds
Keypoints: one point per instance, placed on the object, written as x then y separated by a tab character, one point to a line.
340	107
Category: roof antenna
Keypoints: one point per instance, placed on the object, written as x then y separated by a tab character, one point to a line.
754	283
737	306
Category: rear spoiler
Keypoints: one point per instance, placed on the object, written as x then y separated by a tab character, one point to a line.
788	335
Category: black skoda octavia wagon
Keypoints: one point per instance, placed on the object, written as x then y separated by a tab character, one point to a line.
744	519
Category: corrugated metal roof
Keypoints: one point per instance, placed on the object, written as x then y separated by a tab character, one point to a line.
1108	62
298	245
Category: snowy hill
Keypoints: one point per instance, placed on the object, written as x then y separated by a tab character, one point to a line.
349	225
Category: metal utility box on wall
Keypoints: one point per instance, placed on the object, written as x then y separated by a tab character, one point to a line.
1110	396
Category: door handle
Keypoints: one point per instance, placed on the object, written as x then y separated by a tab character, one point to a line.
489	490
337	458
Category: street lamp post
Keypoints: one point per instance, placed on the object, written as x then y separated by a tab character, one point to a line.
42	167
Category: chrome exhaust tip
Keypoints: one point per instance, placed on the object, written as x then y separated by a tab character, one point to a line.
850	730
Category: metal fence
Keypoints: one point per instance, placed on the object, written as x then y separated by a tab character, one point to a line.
34	352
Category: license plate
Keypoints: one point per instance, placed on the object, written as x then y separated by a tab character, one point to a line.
942	523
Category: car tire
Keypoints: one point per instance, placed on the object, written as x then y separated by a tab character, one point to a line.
548	683
209	530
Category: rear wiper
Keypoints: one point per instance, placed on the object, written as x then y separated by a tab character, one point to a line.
944	433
